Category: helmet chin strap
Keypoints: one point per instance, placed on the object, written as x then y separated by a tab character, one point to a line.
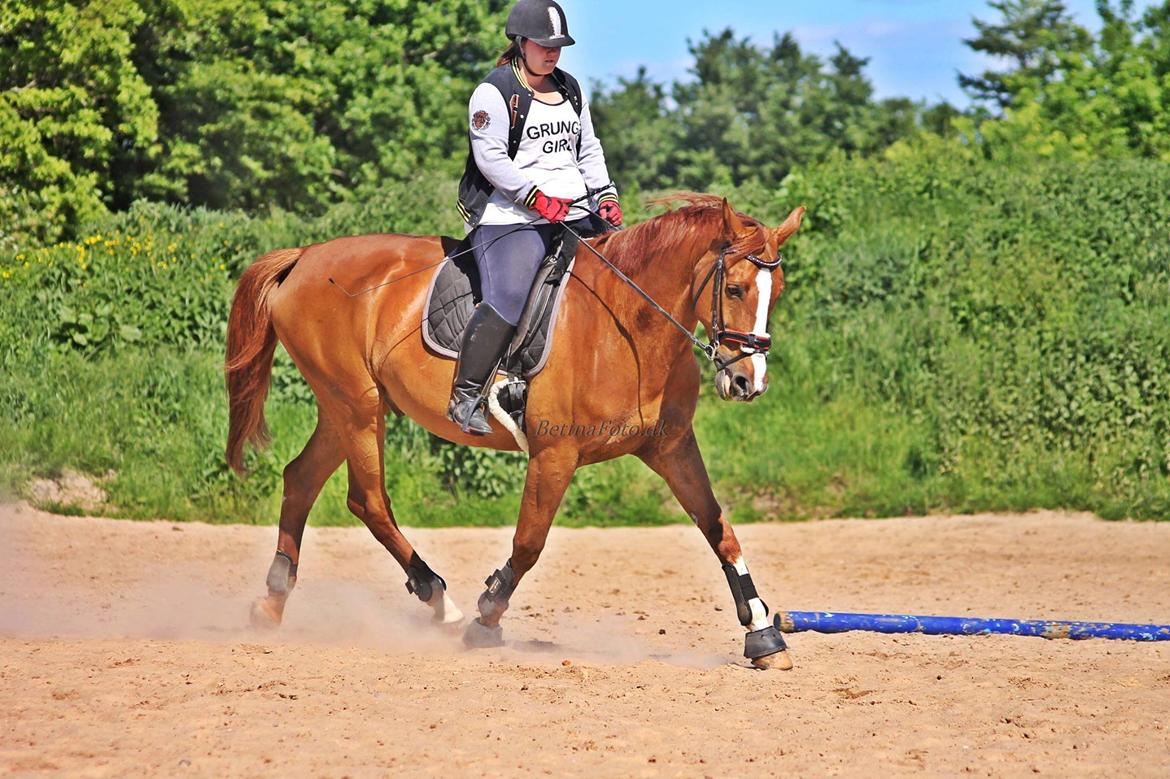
519	39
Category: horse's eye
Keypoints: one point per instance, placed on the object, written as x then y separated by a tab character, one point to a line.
734	290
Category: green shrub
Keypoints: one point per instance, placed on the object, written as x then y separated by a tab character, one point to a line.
956	335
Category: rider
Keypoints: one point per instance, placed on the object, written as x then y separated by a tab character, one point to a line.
533	160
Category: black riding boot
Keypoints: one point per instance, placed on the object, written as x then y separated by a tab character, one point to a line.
484	341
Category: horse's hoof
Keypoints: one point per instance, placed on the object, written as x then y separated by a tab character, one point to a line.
766	648
480	636
779	661
267	613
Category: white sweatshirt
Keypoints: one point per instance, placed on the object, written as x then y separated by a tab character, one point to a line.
548	157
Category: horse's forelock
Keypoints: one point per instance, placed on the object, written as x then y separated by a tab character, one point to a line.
753	241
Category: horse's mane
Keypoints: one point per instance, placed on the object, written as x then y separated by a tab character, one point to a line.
699	221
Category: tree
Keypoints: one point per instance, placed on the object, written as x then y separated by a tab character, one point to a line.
749	113
1108	99
940	119
73	108
229	103
635	125
1032	36
301	104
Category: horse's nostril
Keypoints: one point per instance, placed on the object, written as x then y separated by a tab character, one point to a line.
742	384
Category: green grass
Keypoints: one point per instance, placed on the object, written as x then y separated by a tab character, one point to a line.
158	422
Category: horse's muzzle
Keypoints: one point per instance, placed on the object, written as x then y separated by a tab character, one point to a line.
737	385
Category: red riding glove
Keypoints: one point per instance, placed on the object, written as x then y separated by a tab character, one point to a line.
611	211
554	209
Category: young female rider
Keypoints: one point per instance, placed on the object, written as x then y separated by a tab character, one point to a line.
533	159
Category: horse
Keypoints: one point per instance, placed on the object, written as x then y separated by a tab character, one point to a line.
622	379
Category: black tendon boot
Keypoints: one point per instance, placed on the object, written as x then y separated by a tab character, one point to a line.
484	341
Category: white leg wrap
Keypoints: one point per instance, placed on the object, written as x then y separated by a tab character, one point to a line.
446	611
759	613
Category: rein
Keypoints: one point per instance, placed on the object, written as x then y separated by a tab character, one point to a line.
707	349
749	343
468	250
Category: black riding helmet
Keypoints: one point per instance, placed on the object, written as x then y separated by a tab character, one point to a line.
540	21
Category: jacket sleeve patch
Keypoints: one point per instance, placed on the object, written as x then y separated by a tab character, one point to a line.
480	120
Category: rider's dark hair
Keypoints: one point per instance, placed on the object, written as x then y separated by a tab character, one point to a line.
511	53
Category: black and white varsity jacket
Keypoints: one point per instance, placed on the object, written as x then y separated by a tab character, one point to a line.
496	120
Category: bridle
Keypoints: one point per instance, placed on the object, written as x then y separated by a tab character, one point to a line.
748	343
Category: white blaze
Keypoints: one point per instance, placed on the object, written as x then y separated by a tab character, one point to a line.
764	290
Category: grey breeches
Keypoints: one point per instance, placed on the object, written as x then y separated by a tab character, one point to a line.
507	257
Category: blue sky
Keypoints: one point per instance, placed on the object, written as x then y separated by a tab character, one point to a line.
915	46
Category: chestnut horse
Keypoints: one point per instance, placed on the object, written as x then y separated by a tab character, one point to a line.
621	379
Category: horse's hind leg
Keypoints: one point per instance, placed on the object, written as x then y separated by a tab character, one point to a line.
680	463
370	502
303	479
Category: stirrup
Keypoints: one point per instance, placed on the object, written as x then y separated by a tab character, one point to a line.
470	418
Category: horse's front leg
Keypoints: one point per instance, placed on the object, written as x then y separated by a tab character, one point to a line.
549	473
679	462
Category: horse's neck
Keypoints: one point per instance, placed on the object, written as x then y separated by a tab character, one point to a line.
667	279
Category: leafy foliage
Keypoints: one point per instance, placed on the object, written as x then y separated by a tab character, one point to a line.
159	275
957	333
228	103
1033	37
304	104
1073	95
73	109
749	114
1015	312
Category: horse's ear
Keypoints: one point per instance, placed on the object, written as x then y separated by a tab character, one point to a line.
732	223
790	226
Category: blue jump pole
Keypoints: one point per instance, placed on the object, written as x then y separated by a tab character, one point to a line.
836	622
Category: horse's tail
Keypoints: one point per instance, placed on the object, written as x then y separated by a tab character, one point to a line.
251	343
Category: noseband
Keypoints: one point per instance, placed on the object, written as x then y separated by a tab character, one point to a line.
748	343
